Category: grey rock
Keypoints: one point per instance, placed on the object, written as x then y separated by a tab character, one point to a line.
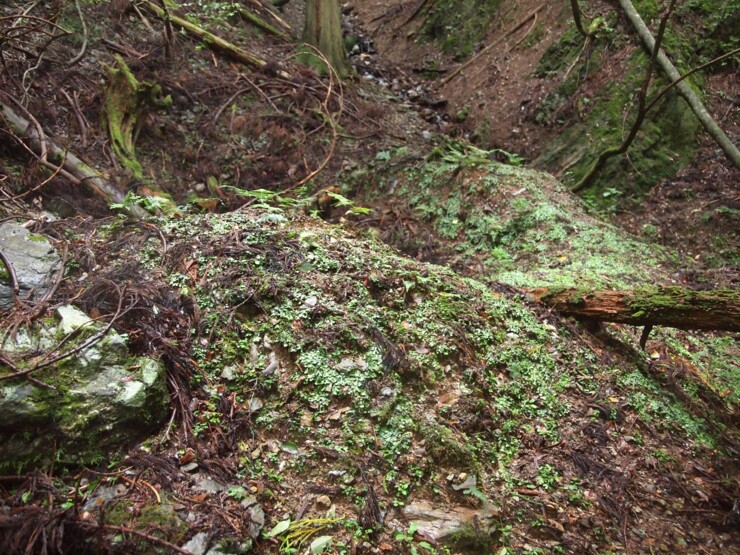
440	523
467	482
34	261
100	399
231	547
103	496
198	544
272	366
256	520
209	485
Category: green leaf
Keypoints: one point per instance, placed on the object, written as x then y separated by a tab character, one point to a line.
341	199
290	447
278	529
320	544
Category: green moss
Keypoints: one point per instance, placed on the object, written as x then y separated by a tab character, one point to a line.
125	100
458	26
521	225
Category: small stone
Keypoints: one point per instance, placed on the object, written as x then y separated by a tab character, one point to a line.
200	187
190	467
307	419
311	301
323	501
272	366
228	372
210	486
256	404
198	544
387	392
426	135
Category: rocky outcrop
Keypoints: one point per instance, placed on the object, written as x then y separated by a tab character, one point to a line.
94	401
34	262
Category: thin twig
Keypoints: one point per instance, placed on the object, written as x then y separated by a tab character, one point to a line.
83	48
13	277
75	350
124	530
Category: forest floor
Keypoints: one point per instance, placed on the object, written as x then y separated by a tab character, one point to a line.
233	133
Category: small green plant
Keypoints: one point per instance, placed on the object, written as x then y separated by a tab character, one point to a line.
414	547
296	533
149	203
547	477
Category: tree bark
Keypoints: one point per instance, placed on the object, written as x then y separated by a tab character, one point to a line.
675	307
323	30
684	90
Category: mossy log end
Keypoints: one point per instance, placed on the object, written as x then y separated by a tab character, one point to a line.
675	307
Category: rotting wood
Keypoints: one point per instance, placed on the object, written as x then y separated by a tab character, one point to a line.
74	169
675	307
257	4
213	42
260	23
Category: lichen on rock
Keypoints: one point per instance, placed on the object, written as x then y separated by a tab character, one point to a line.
97	400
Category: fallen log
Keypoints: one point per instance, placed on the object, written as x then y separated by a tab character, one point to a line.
52	156
213	42
675	307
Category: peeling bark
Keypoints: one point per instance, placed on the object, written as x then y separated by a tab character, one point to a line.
675	307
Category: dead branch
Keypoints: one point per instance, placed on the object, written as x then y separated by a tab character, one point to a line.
260	23
701	113
123	530
601	161
83	48
495	43
46	361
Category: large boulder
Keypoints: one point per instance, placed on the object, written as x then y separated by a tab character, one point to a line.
99	399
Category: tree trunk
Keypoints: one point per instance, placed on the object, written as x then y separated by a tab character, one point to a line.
323	30
674	307
684	90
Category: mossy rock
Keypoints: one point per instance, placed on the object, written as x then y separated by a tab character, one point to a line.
99	400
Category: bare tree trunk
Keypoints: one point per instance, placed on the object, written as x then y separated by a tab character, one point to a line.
675	307
323	29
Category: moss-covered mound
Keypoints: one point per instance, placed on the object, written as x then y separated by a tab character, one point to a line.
510	224
337	375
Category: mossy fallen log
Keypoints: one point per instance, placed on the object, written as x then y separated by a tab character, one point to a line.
213	42
74	169
257	21
675	307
